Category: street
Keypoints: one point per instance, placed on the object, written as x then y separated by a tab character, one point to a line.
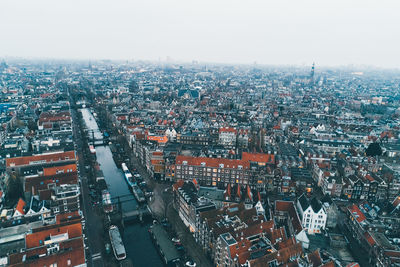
163	192
93	230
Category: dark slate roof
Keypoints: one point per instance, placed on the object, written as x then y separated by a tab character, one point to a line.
303	202
35	204
326	199
315	205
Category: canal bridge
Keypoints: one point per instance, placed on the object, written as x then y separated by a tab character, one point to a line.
139	213
96	141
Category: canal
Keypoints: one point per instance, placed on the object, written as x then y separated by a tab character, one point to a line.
136	238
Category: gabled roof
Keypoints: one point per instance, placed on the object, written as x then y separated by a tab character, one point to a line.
249	195
238	192
20	206
303	202
315	205
227	193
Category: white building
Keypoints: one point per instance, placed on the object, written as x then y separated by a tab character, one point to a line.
227	136
312	214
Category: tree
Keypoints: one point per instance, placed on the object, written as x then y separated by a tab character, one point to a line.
374	149
32	126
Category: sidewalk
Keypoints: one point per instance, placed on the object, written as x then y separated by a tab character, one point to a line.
157	206
187	239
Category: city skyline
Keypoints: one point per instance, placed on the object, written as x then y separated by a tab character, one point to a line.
330	34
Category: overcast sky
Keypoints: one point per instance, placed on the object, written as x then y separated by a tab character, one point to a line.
329	32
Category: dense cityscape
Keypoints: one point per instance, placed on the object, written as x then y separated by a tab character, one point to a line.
136	163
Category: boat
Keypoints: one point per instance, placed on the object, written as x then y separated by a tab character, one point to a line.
128	176
116	243
138	193
92	149
106	200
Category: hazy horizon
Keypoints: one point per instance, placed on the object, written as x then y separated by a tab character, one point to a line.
291	33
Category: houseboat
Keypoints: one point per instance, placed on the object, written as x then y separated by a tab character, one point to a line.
116	243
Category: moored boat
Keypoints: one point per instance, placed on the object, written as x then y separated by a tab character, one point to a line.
106	200
138	193
92	149
116	243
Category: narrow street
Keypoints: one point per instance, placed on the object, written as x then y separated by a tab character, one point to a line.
94	233
163	192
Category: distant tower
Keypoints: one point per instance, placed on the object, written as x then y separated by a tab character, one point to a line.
312	73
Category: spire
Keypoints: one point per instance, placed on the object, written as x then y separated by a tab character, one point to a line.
312	73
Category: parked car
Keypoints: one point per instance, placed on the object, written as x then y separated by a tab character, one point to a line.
190	263
175	240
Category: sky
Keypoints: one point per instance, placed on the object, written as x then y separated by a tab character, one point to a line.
279	32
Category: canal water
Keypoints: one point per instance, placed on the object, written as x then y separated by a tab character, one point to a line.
136	238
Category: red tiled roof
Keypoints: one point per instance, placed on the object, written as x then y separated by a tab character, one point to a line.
69	216
369	238
242	250
41	182
276	235
356	213
227	193
70	250
394	256
369	177
20	206
258	157
33	240
288	206
249	195
59	169
314	258
50	117
159	139
353	264
328	264
238	192
46	158
396	202
178	184
227	130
